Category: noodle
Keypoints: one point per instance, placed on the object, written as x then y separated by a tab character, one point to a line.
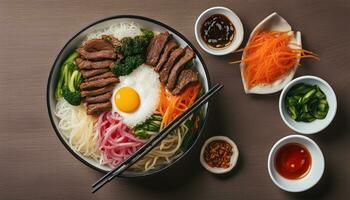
162	153
77	128
119	30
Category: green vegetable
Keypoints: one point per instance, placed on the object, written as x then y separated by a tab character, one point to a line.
71	58
150	127
189	135
134	51
69	81
147	33
72	98
189	64
127	65
293	112
320	94
300	89
306	103
308	96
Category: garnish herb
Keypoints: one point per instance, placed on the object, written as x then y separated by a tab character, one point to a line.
150	127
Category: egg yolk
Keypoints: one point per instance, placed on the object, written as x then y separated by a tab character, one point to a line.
127	99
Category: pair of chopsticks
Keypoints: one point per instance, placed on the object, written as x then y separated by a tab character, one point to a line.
155	140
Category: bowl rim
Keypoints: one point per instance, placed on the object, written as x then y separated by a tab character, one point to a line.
233	160
287	88
49	80
236	43
269	161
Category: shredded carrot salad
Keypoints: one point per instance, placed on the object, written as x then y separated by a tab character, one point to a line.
268	57
171	106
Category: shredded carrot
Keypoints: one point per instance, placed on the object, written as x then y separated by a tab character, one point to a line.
170	106
268	57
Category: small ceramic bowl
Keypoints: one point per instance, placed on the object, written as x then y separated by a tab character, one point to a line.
233	160
317	125
314	174
239	32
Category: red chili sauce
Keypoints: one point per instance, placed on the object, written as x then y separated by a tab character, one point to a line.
293	161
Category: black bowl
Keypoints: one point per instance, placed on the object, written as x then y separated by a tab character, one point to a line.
76	40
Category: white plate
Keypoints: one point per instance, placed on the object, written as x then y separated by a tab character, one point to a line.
273	22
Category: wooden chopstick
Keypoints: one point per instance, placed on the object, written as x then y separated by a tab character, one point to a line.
155	140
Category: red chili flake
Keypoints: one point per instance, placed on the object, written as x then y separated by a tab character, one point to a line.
218	154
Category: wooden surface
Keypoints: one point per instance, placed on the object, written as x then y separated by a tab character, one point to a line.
35	165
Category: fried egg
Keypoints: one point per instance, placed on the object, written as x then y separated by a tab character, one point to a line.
136	97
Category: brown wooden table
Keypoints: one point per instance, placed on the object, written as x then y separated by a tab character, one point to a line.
35	165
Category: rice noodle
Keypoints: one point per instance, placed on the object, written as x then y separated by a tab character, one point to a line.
168	148
118	30
77	128
116	140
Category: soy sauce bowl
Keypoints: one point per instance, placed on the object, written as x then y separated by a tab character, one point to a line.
317	125
237	39
311	178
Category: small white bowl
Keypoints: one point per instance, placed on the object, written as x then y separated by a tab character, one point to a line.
239	32
317	125
313	176
233	160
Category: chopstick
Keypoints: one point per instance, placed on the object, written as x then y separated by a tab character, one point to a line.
155	140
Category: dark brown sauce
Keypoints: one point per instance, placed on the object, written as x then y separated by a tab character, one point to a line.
293	161
217	31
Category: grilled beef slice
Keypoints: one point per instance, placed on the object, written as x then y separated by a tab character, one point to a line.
186	78
97	45
174	56
98	83
93	72
92	93
94	109
100	98
178	67
108	74
97	55
86	64
155	48
169	47
111	39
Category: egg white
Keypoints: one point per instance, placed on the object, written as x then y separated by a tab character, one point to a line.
145	81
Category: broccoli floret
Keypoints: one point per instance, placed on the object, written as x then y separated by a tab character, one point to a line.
140	45
147	34
134	50
72	98
133	46
137	45
126	66
127	46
